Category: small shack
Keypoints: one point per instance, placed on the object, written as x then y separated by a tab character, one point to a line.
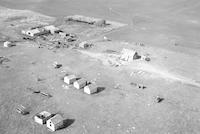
90	89
63	34
80	83
55	123
70	79
52	29
42	117
129	55
35	32
8	44
31	33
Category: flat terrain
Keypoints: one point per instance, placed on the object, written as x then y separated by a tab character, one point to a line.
173	73
153	22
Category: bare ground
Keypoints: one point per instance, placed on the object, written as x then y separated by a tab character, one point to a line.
171	75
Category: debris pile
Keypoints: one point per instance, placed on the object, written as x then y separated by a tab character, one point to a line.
42	93
3	59
106	39
46	94
117	86
140	86
57	65
159	99
147	59
22	110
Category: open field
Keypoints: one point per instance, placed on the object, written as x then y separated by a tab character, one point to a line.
172	73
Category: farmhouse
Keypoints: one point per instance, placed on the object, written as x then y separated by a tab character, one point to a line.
80	83
55	123
42	117
70	79
35	32
90	89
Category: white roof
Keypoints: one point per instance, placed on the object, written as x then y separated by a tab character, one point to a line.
34	31
51	27
81	81
128	51
56	119
45	113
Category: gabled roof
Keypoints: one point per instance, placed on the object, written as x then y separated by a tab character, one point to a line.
56	119
43	114
34	31
70	76
92	86
81	81
51	27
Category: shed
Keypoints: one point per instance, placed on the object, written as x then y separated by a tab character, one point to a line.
63	34
42	117
7	44
70	79
35	32
129	55
55	123
90	89
80	83
32	32
51	28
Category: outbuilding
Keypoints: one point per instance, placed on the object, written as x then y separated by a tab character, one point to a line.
70	79
129	55
63	34
80	83
42	117
31	33
35	32
55	123
8	44
51	28
90	89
